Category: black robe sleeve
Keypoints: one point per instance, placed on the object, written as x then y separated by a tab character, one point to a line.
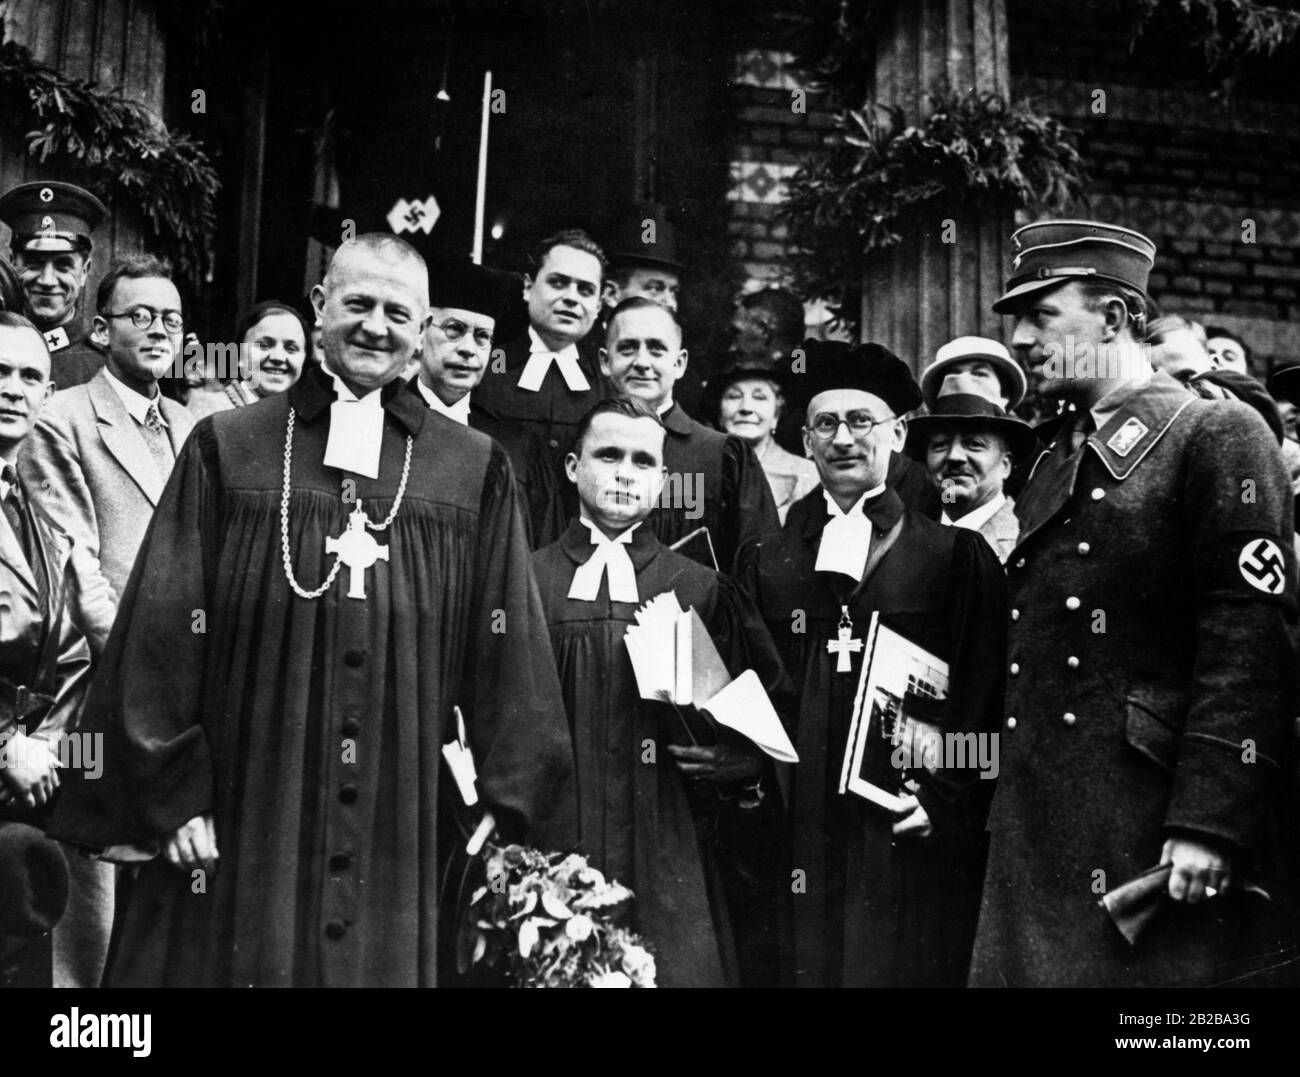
515	714
957	800
749	510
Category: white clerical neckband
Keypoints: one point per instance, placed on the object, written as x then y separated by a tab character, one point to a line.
356	435
610	557
846	538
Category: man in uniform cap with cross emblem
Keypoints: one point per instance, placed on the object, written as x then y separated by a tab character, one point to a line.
1151	672
889	897
52	224
274	701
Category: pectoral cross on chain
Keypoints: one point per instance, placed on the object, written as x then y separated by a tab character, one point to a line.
845	644
357	549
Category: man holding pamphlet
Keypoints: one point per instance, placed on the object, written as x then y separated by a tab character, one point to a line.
894	628
666	671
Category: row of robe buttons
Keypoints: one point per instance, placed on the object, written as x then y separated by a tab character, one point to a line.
1072	662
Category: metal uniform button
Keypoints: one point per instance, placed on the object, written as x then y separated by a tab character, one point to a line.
1015	668
348	794
1072	603
353	657
1011	723
1072	662
1020	562
351	727
1098	493
335	929
1068	718
1084	549
1015	615
554	443
340	862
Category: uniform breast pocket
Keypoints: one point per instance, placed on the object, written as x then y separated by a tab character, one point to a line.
1151	734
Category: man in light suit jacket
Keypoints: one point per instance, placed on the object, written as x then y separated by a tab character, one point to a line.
101	453
96	462
969	445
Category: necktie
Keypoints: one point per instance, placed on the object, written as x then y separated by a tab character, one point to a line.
845	541
16	513
155	436
539	362
610	557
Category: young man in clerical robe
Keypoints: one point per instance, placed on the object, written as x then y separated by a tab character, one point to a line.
880	898
648	800
714	480
466	302
328	574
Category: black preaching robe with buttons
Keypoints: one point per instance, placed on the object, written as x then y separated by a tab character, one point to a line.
312	729
639	822
872	913
714	481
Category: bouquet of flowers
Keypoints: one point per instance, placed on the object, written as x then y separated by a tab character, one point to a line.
549	920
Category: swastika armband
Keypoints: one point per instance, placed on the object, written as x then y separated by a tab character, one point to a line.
1247	565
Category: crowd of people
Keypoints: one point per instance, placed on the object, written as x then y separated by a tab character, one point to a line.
244	609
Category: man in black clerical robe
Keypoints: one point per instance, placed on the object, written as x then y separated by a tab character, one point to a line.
467	303
879	898
648	802
714	480
281	746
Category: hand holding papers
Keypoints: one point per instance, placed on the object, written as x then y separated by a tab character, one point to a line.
675	661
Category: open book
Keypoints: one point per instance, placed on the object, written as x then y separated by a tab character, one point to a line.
893	668
675	661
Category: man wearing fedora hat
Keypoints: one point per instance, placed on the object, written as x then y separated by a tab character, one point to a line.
969	445
985	362
1151	672
883	897
52	224
643	262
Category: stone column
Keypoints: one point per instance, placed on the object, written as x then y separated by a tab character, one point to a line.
923	292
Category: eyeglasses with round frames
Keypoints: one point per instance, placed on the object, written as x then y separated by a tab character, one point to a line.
143	317
860	423
454	330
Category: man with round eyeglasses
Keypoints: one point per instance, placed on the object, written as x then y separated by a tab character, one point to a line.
466	302
879	896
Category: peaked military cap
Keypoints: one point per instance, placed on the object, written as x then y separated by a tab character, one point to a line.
1048	253
51	216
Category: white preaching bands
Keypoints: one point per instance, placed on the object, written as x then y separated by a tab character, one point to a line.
609	557
847	537
540	358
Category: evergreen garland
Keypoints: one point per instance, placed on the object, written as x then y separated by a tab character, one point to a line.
975	148
119	149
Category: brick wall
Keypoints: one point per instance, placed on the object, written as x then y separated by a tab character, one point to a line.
770	140
1171	156
1213	180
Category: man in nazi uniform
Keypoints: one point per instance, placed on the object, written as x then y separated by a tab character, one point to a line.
1150	671
52	224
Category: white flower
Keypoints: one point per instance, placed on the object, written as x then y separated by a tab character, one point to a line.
610	979
639	964
579	928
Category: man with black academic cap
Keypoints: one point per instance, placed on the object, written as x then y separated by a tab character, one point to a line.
52	225
466	302
1152	676
881	897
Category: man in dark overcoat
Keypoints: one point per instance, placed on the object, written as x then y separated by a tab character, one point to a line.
1150	668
